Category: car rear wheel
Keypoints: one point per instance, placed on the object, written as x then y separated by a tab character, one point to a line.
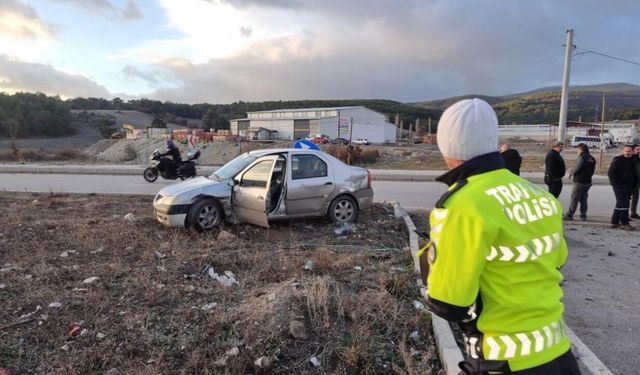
343	210
205	214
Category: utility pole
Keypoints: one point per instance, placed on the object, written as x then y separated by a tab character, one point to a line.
562	122
602	144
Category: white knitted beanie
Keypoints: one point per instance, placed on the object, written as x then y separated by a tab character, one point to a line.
467	129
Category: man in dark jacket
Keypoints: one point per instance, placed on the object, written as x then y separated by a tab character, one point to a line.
512	159
623	179
636	192
582	173
554	169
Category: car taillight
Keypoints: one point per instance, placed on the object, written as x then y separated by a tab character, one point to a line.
368	179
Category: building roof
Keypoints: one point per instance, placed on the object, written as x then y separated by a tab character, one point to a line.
308	109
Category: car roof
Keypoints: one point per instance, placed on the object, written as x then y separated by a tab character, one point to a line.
271	151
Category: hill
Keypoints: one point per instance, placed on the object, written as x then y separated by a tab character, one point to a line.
543	105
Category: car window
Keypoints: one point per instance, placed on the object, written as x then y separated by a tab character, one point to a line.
258	175
233	167
307	166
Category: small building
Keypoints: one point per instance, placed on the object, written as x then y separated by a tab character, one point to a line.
335	122
259	134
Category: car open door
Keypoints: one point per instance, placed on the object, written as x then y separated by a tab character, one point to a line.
250	193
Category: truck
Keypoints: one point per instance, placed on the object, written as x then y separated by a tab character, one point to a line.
624	133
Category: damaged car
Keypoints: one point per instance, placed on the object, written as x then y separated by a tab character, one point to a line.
261	186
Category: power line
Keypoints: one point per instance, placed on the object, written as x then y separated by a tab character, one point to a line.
516	70
610	57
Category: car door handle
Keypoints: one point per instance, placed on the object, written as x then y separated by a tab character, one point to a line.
260	198
328	183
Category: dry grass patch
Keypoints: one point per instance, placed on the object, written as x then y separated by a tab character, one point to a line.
155	309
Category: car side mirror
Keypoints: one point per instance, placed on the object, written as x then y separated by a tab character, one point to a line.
233	182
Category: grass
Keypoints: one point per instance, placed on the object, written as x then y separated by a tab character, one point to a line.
149	299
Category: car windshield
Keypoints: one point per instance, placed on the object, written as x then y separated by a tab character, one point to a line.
233	167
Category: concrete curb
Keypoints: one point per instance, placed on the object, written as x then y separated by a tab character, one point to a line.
450	354
205	170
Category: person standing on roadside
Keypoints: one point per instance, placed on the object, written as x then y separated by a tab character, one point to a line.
512	158
582	173
554	169
623	179
495	253
636	190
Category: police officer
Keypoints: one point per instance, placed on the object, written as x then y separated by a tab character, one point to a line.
554	169
496	249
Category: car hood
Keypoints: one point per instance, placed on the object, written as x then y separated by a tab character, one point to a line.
198	183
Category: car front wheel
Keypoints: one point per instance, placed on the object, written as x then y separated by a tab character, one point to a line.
343	209
205	214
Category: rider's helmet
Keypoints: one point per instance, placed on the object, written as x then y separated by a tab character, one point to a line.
170	144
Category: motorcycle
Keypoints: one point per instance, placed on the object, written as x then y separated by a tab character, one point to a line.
165	167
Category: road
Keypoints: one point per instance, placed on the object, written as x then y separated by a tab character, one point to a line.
412	195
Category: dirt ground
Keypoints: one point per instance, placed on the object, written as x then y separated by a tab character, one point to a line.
86	291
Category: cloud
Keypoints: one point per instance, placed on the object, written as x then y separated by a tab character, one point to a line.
20	21
105	8
31	77
153	77
246	31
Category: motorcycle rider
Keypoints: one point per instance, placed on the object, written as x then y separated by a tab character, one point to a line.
174	152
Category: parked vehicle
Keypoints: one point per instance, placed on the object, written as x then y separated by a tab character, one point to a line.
319	138
340	141
168	169
267	185
592	141
362	141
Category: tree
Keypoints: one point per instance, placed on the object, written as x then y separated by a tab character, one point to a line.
214	121
158	122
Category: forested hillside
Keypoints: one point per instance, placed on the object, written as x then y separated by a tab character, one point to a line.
543	105
27	115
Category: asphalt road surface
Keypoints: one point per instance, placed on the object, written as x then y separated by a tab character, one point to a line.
412	195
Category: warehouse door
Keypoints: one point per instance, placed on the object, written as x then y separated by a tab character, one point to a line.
301	129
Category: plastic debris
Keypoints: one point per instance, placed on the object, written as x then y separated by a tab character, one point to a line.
315	361
418	305
55	305
415	335
308	266
75	330
2	286
64	254
90	280
128	248
100	335
130	217
262	362
84	332
227	279
233	352
65	347
357	268
29	315
344	229
209	306
96	251
160	255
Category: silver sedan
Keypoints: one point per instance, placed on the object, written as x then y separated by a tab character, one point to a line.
266	185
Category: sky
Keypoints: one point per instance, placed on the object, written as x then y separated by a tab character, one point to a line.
221	51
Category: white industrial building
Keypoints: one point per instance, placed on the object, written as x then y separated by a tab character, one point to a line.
292	124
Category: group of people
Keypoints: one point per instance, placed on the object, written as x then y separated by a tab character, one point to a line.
623	173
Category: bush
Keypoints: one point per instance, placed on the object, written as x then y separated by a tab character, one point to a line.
129	153
358	155
32	155
68	154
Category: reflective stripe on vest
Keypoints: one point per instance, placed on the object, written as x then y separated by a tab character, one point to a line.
528	251
525	343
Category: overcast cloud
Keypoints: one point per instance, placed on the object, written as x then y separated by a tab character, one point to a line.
221	51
